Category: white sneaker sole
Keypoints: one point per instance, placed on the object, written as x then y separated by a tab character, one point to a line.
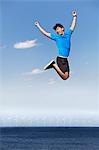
48	64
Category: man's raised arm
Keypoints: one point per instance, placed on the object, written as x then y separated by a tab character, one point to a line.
74	14
42	30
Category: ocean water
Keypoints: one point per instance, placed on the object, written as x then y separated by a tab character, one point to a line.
49	138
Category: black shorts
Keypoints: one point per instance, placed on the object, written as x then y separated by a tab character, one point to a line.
63	64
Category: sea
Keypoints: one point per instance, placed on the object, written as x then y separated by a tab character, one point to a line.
49	138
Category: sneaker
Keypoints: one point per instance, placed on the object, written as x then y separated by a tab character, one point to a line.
49	65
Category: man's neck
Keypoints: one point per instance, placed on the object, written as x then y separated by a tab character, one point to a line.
62	33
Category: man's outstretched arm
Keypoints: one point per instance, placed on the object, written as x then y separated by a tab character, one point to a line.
74	14
42	30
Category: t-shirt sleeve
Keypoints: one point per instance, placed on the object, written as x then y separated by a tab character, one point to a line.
53	36
69	31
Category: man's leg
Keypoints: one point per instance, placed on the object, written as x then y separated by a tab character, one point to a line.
64	76
63	64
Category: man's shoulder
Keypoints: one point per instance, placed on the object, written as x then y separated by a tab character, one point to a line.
69	31
54	36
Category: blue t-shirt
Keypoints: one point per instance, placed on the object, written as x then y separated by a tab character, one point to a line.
63	42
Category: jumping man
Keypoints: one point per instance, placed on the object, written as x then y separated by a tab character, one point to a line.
63	42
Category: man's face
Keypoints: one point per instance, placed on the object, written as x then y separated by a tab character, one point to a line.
60	30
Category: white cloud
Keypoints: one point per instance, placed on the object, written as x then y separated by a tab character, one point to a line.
28	78
34	72
26	44
51	81
37	71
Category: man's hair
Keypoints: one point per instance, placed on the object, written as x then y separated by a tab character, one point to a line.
58	25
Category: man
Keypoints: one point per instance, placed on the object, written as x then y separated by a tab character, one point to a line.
63	42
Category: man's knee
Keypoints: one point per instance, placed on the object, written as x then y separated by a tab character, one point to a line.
66	76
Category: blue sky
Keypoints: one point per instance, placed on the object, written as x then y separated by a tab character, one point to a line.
25	51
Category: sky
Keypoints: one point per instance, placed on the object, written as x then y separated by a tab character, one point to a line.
31	96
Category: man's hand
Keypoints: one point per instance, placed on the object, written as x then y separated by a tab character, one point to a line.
74	13
36	23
